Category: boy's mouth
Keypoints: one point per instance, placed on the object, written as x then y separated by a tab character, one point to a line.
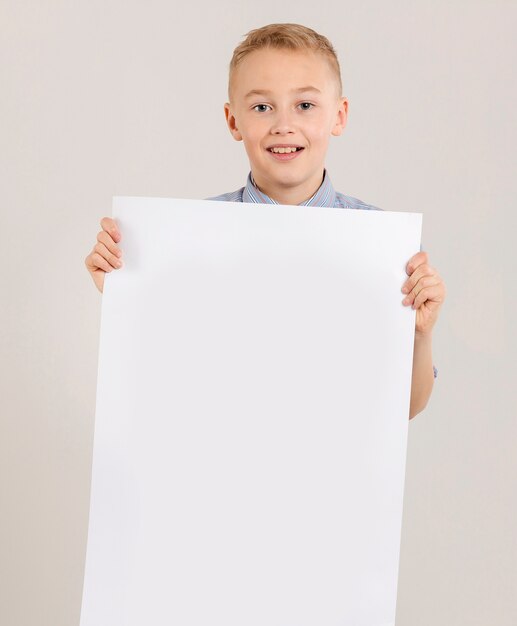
284	152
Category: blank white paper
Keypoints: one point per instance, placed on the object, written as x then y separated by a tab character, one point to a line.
251	421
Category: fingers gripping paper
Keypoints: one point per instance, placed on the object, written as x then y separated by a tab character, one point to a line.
252	413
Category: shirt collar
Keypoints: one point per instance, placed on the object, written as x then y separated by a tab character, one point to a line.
324	196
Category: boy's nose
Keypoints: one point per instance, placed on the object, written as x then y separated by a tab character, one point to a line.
283	124
282	130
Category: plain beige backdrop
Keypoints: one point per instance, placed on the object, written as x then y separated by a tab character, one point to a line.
126	98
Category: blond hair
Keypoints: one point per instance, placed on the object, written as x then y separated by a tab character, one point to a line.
285	37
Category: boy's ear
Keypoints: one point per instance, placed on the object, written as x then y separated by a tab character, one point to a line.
341	118
231	121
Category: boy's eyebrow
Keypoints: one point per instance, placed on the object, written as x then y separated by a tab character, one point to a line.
266	92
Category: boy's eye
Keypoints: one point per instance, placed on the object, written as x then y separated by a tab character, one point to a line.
306	106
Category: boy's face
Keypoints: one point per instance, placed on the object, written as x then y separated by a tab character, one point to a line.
285	112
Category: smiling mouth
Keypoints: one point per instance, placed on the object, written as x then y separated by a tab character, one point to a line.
285	156
284	149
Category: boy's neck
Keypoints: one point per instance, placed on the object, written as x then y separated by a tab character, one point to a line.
290	195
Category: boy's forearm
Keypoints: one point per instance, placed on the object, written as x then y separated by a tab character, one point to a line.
423	375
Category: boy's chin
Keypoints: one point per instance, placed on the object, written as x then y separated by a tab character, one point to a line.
290	178
284	179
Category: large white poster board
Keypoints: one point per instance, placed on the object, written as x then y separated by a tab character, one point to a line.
252	413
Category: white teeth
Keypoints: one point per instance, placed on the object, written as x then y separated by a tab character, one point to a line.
283	150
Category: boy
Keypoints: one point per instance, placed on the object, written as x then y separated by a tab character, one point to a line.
284	104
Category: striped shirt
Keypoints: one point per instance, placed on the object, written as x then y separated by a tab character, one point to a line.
325	195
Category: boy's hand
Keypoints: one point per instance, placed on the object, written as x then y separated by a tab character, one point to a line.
425	292
105	255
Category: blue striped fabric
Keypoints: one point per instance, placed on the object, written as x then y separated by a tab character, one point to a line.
324	196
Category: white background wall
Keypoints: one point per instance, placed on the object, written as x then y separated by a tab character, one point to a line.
105	98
